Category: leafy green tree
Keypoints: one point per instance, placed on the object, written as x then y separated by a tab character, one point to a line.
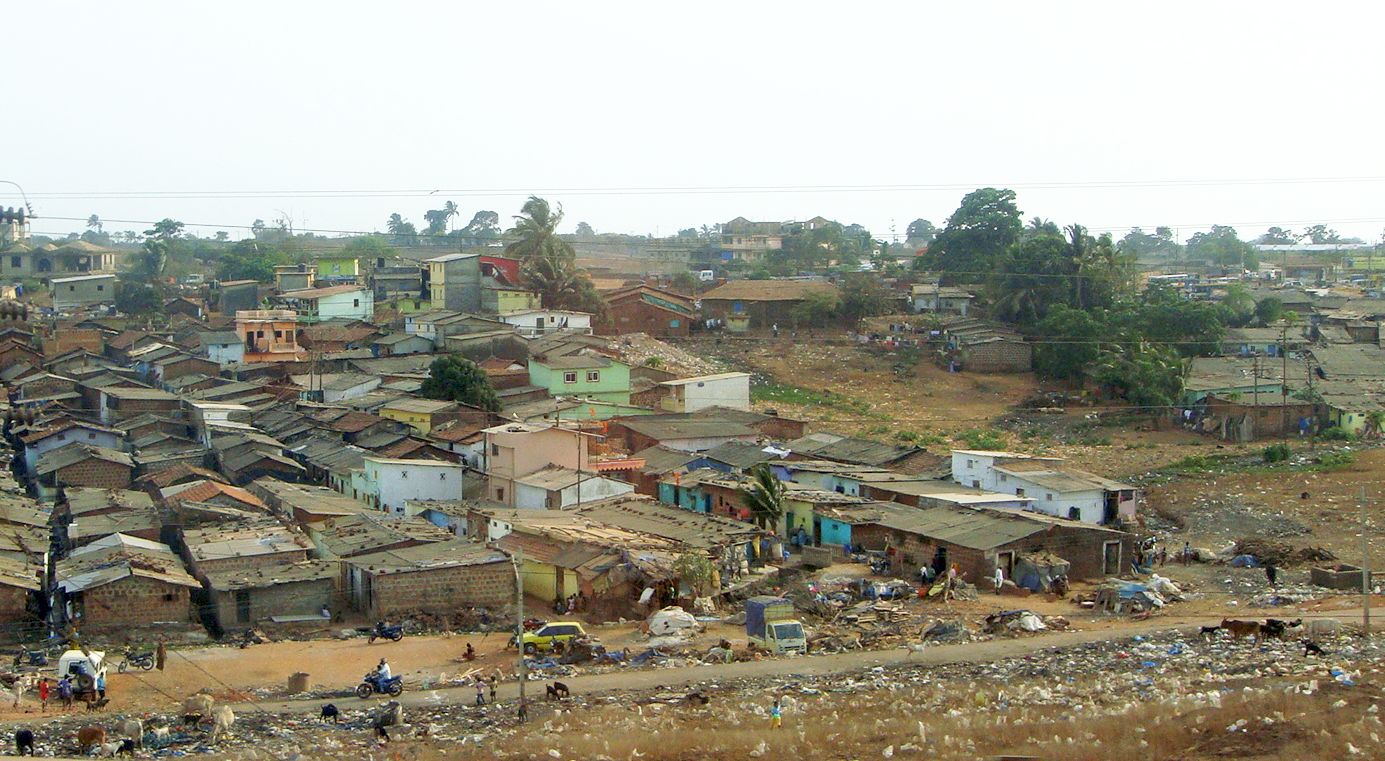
369	247
1168	319
548	264
816	310
1160	244
250	260
764	497
585	230
1278	236
1268	310
977	235
695	569
1069	345
483	227
437	222
458	379
1238	306
166	229
1033	276
222	236
920	232
1145	375
1039	226
863	295
1321	234
135	297
1221	245
94	223
685	282
535	232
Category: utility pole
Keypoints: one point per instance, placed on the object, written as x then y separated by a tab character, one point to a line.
519	629
1284	384
1365	571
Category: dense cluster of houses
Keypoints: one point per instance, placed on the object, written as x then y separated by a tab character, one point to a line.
266	458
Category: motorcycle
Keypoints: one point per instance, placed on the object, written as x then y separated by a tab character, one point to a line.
143	661
372	684
386	631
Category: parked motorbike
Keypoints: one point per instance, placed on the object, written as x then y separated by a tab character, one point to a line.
372	684
143	661
386	631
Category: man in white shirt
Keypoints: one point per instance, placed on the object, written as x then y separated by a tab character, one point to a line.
383	670
999	579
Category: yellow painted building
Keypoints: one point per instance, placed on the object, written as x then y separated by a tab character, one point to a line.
418	414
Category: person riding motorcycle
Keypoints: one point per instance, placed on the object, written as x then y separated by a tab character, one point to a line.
382	672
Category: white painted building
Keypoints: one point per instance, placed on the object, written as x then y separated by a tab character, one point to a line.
720	390
555	488
1055	490
386	484
68	432
537	322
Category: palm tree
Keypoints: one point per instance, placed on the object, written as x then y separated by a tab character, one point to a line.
536	231
94	222
764	497
450	210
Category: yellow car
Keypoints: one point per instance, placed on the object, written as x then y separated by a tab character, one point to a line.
546	636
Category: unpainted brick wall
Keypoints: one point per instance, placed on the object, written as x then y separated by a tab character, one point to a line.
444	589
1082	547
97	473
135	601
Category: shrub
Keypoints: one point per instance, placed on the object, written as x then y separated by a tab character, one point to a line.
1276	453
975	438
1337	460
1336	433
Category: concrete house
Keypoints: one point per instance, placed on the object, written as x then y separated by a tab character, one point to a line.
81	291
64	432
294	277
454	282
271	335
242	545
421	414
680	432
238	295
556	488
123	583
349	302
387	484
585	376
646	309
396	344
119	403
537	322
440	577
224	347
515	450
730	390
73	257
761	304
1055	489
281	594
941	299
748	241
337	270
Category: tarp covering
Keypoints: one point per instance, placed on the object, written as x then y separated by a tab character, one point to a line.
1037	571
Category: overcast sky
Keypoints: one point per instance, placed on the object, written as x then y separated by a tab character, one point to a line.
1130	114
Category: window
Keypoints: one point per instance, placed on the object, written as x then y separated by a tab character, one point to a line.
278	334
1019	492
1004	478
1074	514
16	261
975	484
500	496
442	476
91	437
100	287
570	377
259	334
971	463
355	302
495	450
1048	497
593	376
403	474
72	288
674	323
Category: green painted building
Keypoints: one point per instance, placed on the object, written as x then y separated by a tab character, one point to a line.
582	376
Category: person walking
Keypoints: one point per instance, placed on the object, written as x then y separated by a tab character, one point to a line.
43	688
999	579
65	692
776	715
1187	553
1272	574
159	654
493	681
101	684
480	692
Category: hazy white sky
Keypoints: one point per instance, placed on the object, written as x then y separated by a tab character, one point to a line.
131	110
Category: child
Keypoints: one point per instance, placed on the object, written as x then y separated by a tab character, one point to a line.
776	716
43	693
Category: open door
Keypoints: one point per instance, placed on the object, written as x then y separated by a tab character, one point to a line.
1111	558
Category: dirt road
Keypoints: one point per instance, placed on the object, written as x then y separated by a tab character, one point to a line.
678	678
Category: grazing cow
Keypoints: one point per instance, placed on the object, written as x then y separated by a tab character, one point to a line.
390	714
1241	629
222	719
24	742
90	737
1324	627
330	711
558	690
133	729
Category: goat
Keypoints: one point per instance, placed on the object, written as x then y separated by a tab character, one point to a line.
127	748
1312	648
1324	627
96	705
1240	629
222	719
133	729
199	704
192	719
1209	631
108	750
558	690
89	737
390	714
330	711
1274	627
161	735
24	741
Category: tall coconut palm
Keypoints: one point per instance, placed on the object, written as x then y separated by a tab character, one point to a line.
449	211
535	231
764	497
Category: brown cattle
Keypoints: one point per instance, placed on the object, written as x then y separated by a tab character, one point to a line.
1240	629
90	737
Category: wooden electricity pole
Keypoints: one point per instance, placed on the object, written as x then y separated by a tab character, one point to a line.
519	629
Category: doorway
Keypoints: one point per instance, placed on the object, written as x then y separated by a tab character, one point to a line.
242	606
1111	558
